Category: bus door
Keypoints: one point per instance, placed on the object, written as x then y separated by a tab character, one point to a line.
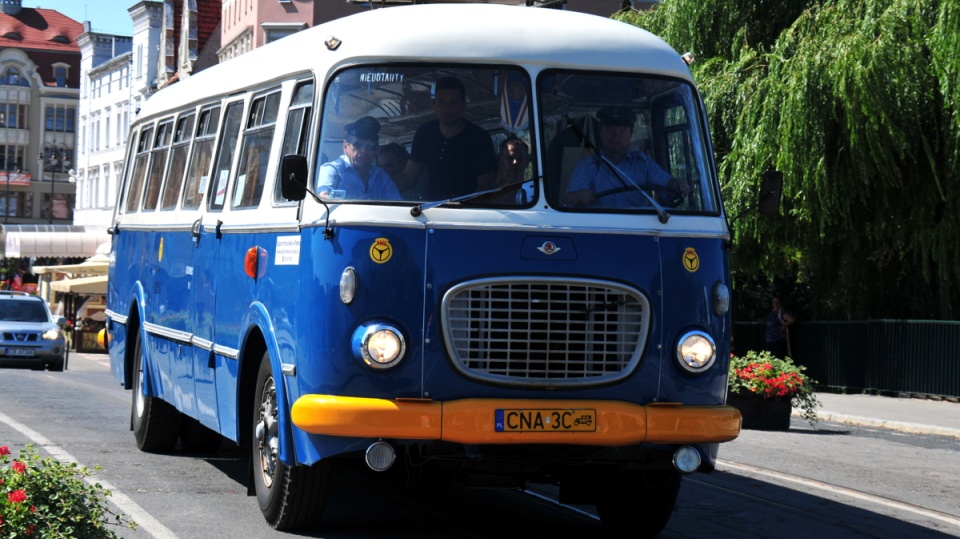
206	271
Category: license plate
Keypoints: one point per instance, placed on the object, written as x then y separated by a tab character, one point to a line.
546	420
26	352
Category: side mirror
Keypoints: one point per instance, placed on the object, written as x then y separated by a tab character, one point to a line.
61	321
293	177
771	188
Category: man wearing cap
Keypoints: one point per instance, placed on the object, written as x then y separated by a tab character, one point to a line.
457	155
592	176
355	174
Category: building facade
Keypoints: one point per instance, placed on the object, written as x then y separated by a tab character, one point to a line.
39	92
118	74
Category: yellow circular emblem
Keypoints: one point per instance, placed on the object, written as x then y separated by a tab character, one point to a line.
381	251
691	260
160	251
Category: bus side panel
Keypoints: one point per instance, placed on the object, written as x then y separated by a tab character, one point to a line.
204	269
692	268
173	299
116	348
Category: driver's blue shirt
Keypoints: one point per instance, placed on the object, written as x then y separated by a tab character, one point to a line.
591	173
342	181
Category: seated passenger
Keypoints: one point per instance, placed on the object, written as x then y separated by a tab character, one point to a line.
355	174
393	159
514	158
595	184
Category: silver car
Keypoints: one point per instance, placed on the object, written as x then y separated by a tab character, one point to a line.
29	336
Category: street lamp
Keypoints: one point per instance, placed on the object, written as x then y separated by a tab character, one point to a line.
58	154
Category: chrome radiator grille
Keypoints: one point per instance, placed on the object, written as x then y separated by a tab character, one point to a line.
545	332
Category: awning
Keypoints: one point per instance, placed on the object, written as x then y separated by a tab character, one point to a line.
53	244
95	265
83	285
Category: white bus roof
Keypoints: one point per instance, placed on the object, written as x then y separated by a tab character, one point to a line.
446	32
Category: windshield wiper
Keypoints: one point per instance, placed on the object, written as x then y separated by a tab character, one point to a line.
627	181
417	210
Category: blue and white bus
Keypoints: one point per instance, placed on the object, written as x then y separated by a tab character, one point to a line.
497	329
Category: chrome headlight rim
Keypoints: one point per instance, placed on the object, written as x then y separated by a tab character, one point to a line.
369	332
686	349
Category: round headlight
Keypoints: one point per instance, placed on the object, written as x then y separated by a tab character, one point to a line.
381	346
696	351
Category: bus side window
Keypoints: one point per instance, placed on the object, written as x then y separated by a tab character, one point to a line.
228	145
138	175
178	161
298	127
255	151
198	173
158	161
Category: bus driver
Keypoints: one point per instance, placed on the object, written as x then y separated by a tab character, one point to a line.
594	183
355	174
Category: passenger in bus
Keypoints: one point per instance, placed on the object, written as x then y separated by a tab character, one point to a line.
457	154
512	170
355	174
393	159
595	184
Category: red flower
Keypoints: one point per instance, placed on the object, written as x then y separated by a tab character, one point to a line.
17	496
19	467
4	450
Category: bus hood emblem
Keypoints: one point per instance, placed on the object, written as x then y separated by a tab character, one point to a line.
548	248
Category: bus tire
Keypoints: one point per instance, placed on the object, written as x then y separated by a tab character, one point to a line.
639	504
290	498
154	422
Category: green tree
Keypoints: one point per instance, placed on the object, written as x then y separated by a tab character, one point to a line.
858	103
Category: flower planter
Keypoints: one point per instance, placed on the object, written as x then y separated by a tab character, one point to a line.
762	414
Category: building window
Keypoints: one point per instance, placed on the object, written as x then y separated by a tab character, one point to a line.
11	158
13	116
61	118
13	77
16	204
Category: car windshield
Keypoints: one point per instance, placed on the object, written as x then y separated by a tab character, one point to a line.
22	311
624	143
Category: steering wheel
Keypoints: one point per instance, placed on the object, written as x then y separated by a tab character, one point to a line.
674	196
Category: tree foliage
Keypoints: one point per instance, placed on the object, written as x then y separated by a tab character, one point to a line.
858	103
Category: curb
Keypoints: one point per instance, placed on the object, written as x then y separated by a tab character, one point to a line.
900	426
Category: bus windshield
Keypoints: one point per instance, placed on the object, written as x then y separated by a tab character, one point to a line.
400	133
624	143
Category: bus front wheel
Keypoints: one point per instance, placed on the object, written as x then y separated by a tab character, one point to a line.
639	504
155	423
290	498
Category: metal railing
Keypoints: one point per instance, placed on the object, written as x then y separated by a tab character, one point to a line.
896	356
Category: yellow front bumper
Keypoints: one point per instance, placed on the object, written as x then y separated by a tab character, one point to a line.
472	421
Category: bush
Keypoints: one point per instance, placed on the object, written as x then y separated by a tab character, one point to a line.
42	497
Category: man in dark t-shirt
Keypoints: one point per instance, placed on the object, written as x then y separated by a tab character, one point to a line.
458	155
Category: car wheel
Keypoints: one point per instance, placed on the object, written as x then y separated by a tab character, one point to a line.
56	365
